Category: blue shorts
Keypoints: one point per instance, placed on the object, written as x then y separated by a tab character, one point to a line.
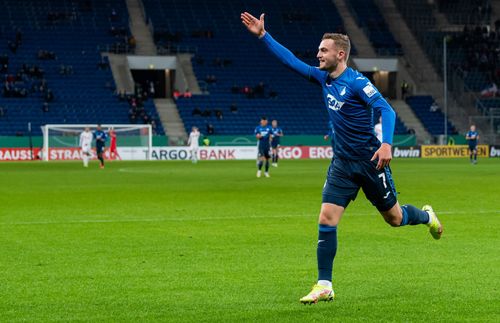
264	151
346	177
275	145
472	147
99	149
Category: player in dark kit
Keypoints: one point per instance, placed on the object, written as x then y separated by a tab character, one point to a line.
275	141
100	143
472	137
360	160
263	132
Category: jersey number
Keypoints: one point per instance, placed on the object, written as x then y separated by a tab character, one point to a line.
382	175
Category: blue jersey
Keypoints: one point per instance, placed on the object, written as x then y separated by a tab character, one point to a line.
100	138
266	134
276	132
473	135
350	99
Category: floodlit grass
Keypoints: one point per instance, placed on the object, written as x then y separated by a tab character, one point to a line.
172	241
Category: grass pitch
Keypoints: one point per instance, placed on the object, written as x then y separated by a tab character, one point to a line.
172	241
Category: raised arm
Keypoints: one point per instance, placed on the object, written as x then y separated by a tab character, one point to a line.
256	27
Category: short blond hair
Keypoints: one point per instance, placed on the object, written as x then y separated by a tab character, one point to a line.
341	41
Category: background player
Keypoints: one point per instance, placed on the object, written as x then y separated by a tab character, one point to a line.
263	132
113	151
86	138
361	161
275	141
194	144
472	137
100	143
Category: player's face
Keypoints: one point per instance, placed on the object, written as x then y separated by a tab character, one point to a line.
328	55
263	123
472	128
275	123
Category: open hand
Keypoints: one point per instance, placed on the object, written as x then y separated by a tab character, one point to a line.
384	156
254	25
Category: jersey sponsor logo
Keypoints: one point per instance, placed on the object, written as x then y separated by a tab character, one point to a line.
369	90
333	103
342	92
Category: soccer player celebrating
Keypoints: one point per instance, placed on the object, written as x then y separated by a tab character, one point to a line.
277	133
263	132
113	151
100	143
360	161
472	137
194	144
86	146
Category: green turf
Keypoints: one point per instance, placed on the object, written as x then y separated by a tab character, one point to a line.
172	241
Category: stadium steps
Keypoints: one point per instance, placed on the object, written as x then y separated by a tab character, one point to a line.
171	120
406	114
121	72
418	64
184	61
363	45
144	40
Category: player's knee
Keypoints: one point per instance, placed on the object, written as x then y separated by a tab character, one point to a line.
393	221
393	217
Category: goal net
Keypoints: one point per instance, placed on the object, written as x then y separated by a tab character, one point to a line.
62	141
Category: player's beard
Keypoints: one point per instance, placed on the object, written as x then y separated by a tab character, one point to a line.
331	67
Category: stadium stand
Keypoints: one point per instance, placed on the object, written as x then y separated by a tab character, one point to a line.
54	46
465	11
369	18
432	120
243	80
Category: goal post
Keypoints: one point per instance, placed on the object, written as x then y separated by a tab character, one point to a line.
136	141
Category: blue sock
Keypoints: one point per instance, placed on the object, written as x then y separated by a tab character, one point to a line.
260	164
267	166
327	248
413	215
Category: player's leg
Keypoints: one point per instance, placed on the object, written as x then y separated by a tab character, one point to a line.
276	156
267	157
100	156
379	188
194	156
471	154
475	155
260	162
85	158
338	191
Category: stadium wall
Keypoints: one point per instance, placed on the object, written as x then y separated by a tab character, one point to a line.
244	152
160	141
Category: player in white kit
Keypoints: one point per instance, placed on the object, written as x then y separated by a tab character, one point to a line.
86	138
193	143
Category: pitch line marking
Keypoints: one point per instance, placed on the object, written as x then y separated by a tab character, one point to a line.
186	219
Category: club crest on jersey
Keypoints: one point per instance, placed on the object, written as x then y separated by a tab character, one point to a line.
333	103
